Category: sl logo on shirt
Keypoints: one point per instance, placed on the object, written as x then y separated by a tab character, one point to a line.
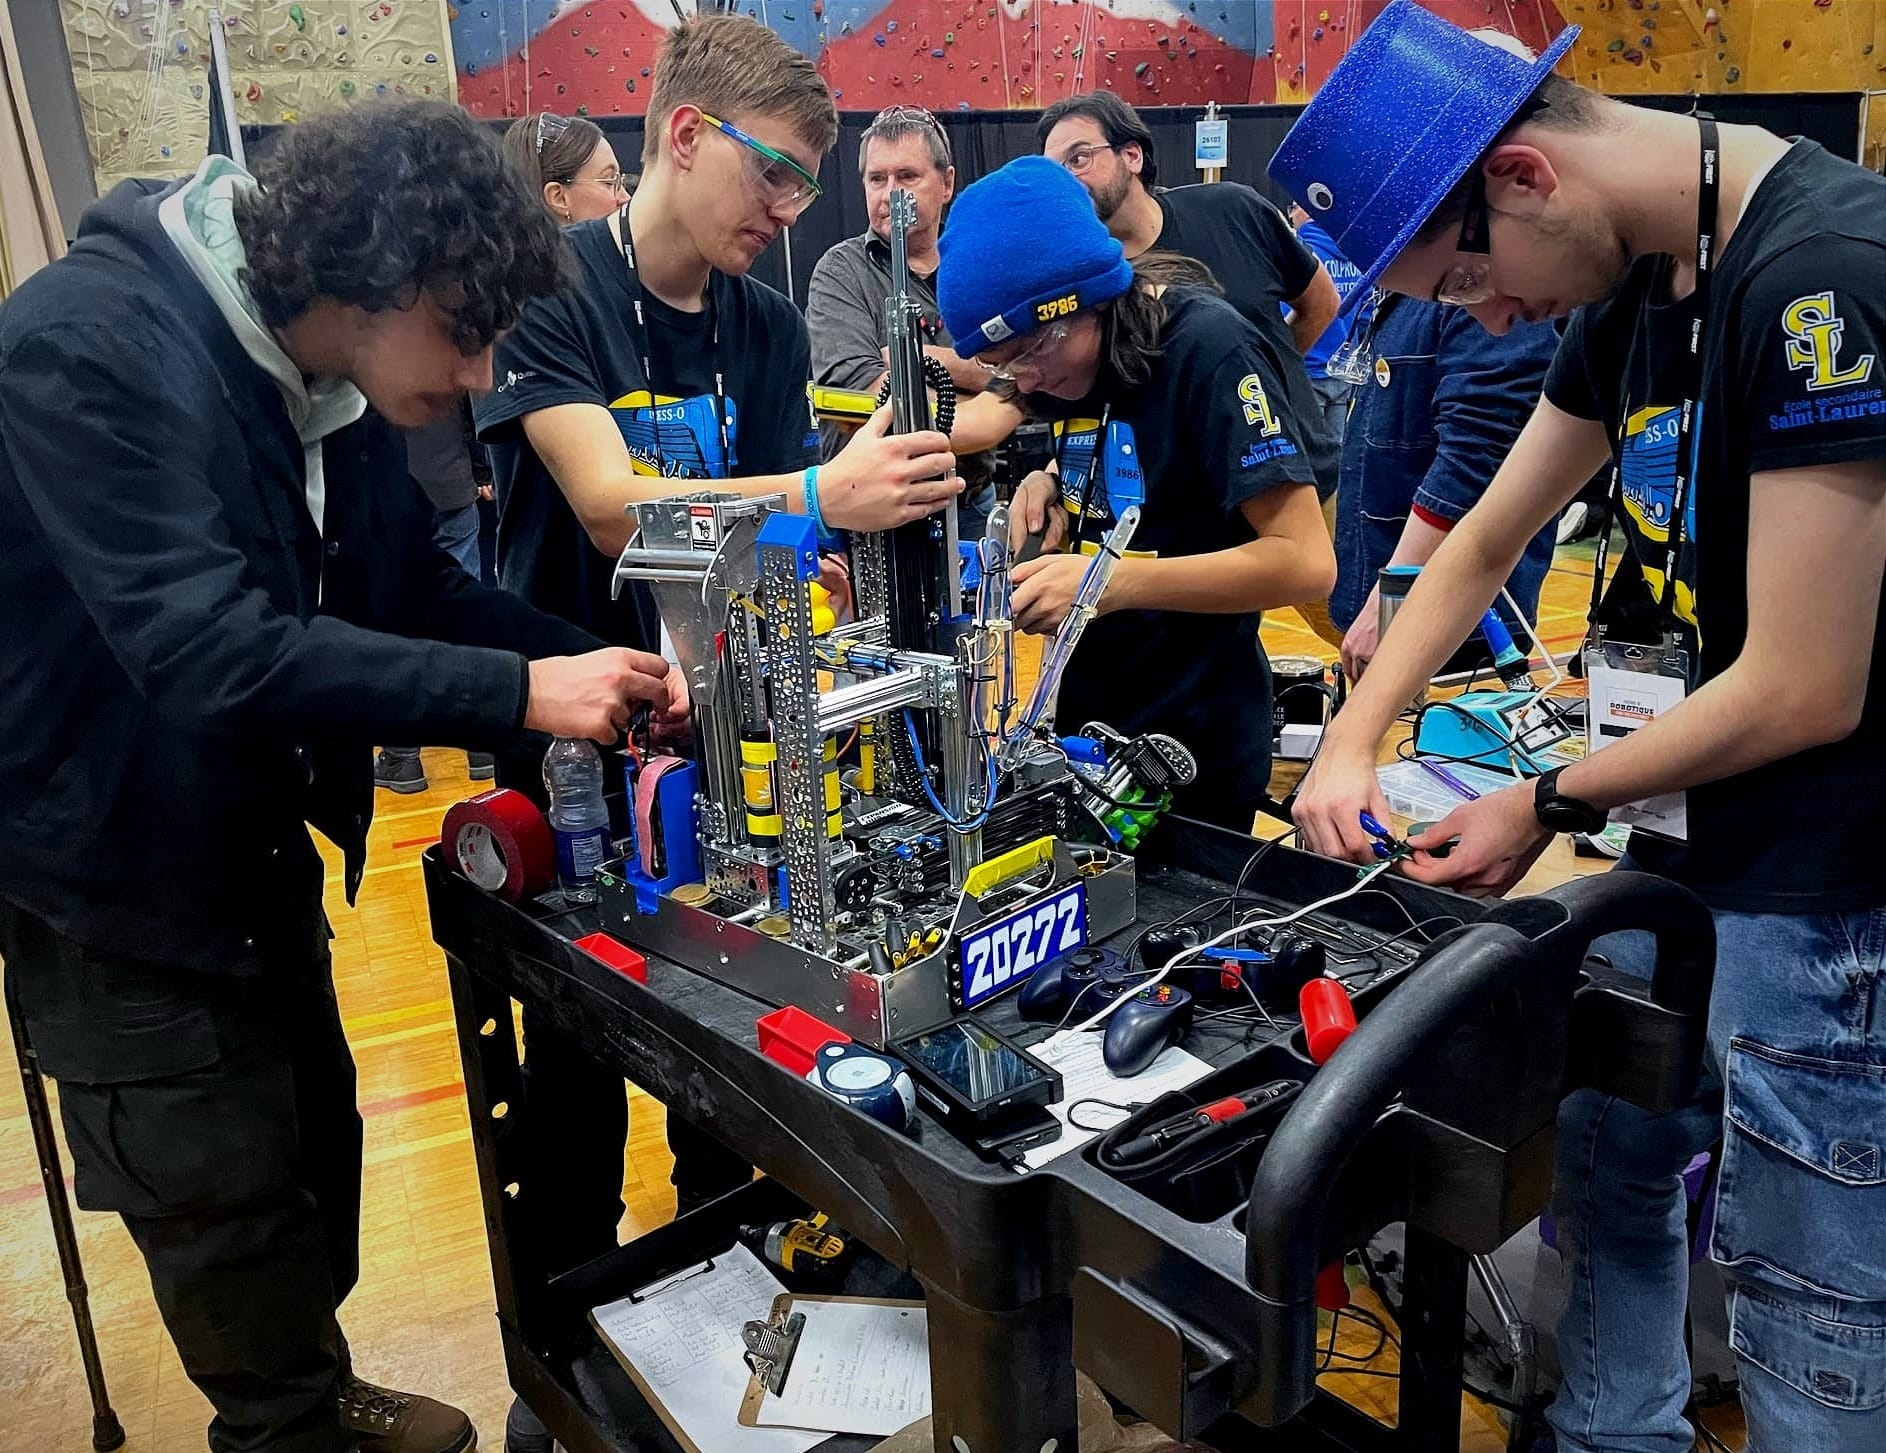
1256	403
1814	330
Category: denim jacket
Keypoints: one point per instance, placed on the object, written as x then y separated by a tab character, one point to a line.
1438	417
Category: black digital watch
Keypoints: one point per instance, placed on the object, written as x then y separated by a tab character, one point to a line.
1565	814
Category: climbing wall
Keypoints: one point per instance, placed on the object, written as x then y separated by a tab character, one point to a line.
1748	46
140	68
595	56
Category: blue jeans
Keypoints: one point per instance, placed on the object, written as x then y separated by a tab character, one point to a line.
1797	1048
456	533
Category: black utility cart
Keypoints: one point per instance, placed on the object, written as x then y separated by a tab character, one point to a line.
1196	1309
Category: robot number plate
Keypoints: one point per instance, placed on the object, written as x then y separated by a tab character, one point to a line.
999	955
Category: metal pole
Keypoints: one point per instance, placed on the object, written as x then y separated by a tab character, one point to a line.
223	98
107	1432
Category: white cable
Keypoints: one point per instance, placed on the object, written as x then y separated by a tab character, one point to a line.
1551	661
1172	963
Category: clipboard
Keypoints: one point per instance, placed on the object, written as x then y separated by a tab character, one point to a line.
773	1348
684	1385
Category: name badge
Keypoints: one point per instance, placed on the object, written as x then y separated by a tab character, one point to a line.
1630	686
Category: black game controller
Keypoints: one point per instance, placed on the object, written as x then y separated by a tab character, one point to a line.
1086	981
1276	965
1062	980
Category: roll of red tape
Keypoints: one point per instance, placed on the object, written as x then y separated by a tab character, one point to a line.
1328	1017
501	842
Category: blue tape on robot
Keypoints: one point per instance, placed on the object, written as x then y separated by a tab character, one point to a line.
997	956
678	825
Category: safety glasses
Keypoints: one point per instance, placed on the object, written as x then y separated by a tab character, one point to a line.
783	183
549	127
892	115
1470	279
1052	337
1355	360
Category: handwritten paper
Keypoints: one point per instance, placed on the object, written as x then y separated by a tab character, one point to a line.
861	1367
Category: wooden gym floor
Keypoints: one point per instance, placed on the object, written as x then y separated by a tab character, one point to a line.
422	1315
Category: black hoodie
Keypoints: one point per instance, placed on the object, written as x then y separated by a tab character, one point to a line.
186	682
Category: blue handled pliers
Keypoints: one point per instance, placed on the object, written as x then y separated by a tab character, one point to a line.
1386	845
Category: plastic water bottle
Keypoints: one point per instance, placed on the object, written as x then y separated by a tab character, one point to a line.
578	816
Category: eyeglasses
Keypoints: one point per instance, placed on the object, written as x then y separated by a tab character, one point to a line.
1082	157
1053	336
1470	279
615	181
782	181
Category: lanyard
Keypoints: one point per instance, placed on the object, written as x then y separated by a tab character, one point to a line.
713	345
1708	192
1093	471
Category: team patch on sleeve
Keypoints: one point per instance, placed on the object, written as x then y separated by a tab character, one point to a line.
1833	380
1258	414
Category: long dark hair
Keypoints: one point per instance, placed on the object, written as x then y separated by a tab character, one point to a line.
545	147
1131	325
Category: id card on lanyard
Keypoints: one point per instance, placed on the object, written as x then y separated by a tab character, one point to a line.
1631	684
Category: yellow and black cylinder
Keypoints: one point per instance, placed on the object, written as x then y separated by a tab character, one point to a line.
834	818
757	756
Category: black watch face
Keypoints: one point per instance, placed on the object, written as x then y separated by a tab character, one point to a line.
1565	817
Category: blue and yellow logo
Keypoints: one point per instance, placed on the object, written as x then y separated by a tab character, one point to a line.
675	438
1257	409
1121	480
1647	486
1814	331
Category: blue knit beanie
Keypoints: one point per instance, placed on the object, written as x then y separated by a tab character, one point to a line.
1022	248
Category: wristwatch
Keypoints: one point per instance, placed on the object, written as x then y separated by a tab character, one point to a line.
1565	814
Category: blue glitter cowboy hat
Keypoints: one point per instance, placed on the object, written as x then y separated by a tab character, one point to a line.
1403	116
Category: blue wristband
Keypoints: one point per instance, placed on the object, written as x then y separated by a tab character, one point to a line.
826	537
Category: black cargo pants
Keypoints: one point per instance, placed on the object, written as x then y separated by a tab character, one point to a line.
216	1116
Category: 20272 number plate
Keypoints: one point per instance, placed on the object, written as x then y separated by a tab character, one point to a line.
1000	955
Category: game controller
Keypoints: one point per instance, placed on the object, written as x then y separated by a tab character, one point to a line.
1275	966
1057	983
1140	1030
1086	981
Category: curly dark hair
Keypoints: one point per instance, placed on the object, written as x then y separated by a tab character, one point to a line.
376	204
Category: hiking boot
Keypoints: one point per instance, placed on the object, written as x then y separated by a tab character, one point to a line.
386	1421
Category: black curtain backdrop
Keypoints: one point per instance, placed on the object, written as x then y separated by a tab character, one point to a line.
982	141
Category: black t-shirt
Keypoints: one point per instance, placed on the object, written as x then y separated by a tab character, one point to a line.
1206	433
1261	264
1794	375
583	346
